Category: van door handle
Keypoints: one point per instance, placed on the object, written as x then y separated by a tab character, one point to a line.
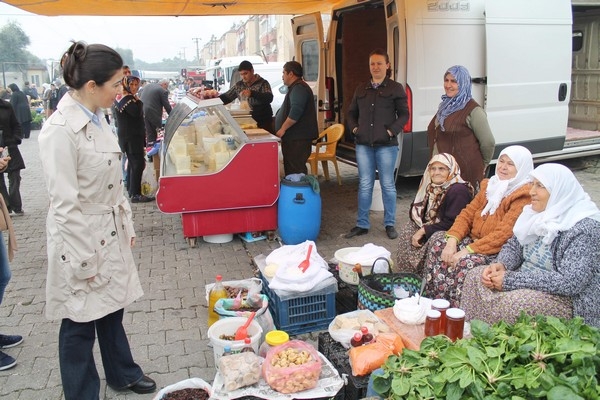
480	80
562	92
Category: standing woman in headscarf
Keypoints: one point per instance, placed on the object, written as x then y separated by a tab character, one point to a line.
550	265
131	131
441	197
460	127
481	229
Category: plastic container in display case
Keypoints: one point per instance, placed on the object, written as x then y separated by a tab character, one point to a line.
220	178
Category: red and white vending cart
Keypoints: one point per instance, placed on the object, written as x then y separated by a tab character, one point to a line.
220	179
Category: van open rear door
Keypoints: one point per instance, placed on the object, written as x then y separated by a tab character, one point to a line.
528	62
310	52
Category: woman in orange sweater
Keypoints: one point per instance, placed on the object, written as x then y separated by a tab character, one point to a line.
481	229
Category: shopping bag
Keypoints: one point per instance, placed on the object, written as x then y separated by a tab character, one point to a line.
149	183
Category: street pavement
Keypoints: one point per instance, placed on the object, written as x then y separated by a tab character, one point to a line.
167	326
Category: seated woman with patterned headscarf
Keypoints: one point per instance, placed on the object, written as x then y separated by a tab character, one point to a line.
441	197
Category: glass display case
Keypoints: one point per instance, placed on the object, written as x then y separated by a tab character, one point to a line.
205	140
218	171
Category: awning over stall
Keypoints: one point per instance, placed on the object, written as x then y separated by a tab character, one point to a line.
173	7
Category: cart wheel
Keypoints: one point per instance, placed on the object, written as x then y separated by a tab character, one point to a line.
191	241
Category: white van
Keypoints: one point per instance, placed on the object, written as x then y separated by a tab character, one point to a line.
221	70
518	52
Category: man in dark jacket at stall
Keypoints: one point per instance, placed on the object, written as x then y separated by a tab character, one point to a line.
20	104
11	138
257	91
155	97
296	121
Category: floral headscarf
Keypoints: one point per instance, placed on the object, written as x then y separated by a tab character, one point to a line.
430	196
568	204
450	105
127	81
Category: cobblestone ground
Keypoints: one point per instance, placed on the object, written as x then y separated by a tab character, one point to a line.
167	326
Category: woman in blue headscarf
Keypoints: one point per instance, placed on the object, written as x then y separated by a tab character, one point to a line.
460	127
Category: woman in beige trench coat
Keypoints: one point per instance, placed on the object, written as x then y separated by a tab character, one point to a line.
91	272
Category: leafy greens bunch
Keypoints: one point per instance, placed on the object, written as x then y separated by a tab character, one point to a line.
535	358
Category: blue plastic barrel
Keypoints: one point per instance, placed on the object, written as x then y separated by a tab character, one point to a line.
298	212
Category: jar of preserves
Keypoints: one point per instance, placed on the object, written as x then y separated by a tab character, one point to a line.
272	339
441	305
432	323
455	323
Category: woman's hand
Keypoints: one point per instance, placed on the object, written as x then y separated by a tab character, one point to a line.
457	256
449	251
493	275
417	237
498	277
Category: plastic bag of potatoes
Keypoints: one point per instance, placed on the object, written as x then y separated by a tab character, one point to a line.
239	370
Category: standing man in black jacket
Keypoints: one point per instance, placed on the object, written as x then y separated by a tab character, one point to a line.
296	121
155	97
11	139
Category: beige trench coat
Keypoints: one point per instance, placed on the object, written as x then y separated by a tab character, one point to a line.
89	224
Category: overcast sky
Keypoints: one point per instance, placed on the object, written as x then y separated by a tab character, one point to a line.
150	38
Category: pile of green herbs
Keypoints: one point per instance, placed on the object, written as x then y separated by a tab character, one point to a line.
535	358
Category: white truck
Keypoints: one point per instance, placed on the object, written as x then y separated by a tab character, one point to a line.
535	66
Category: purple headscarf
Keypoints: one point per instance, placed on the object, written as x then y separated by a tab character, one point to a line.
450	105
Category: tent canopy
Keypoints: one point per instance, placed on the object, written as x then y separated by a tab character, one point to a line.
173	7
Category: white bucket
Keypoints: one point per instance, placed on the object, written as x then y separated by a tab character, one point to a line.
222	238
228	326
376	200
346	268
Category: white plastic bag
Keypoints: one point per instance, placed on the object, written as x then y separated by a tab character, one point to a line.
149	183
192	383
288	276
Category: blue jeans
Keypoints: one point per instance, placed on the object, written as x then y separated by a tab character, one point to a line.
4	267
77	366
383	160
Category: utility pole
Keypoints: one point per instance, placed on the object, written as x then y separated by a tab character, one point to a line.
197	40
183	50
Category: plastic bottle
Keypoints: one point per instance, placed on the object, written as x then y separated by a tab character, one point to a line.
272	339
248	346
217	292
366	336
357	340
226	351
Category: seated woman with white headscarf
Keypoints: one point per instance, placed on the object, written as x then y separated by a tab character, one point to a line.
481	229
550	265
442	195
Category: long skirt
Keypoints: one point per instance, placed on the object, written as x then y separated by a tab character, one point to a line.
492	306
408	257
445	281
